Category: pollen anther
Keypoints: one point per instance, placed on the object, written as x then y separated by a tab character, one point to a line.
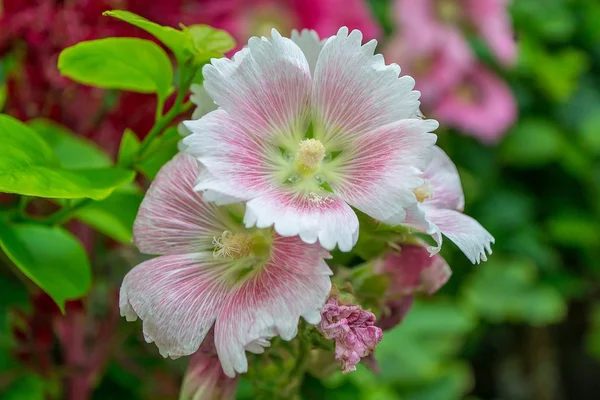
310	154
232	246
424	192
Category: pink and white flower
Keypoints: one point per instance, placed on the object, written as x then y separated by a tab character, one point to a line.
305	130
411	270
481	105
442	201
427	23
353	330
251	284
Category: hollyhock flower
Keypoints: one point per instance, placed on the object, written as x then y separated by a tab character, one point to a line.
250	284
307	129
442	200
482	105
436	68
411	270
246	18
353	330
204	378
425	23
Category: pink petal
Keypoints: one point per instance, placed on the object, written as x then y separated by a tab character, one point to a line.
354	92
173	219
482	106
178	297
492	19
413	269
464	231
313	217
381	171
266	87
436	67
204	378
294	284
445	181
238	165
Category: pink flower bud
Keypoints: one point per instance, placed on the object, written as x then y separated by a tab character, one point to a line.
353	330
412	270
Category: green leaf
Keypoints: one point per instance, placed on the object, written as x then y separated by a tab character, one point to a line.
590	132
28	166
174	39
30	387
207	42
113	216
72	151
130	145
417	349
130	64
575	230
161	150
534	142
509	290
51	257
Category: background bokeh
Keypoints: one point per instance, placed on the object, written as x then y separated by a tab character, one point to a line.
516	88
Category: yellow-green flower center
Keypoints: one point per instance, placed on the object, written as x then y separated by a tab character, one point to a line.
310	155
232	246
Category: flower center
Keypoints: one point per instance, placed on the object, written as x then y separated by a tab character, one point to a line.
232	246
424	192
310	155
448	11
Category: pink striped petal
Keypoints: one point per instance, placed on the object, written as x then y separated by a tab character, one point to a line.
381	171
177	297
237	163
413	270
445	181
313	217
173	219
354	92
464	231
266	87
294	284
204	378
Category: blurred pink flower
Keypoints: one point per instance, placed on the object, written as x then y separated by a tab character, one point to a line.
436	68
353	330
482	105
246	18
411	270
430	23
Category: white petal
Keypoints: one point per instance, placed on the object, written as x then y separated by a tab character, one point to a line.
465	232
310	44
354	92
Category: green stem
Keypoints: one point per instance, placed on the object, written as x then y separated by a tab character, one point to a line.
23	202
64	214
163	121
